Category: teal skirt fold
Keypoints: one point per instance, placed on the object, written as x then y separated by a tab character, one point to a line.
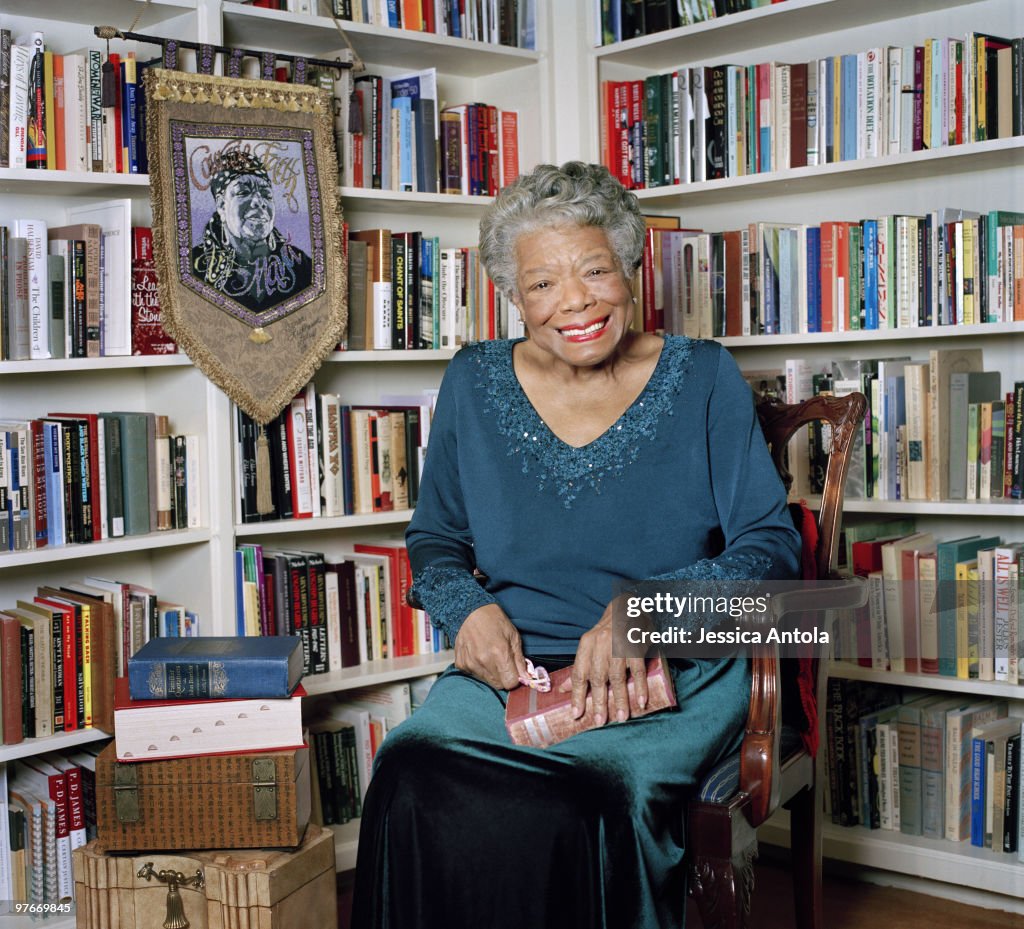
463	828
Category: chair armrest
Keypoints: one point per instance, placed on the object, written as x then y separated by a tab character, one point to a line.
836	593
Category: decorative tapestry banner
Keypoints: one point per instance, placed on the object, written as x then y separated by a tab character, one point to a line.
247	230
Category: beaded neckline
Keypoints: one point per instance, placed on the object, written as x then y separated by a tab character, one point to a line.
551	459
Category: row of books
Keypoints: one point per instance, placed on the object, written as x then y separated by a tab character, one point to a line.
932	765
941	429
948	267
723	121
399	139
69	478
71	112
498	22
345	736
67	291
620	20
346	611
70	291
952	607
328	458
61	649
47	809
406	292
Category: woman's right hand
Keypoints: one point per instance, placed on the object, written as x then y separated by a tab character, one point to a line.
488	647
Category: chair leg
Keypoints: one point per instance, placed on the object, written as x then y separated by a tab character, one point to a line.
721	888
805	844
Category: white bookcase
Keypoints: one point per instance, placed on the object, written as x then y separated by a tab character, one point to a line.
196	567
980	176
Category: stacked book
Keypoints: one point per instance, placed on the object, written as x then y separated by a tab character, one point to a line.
211	729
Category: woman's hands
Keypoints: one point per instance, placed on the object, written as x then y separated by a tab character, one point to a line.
488	647
598	670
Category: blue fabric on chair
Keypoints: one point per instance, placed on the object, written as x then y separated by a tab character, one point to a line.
723	780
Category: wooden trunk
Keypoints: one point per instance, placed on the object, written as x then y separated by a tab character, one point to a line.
240	889
256	800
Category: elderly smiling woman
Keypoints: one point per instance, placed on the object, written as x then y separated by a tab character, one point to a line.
559	466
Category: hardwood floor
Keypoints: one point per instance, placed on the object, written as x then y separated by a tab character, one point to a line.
851	904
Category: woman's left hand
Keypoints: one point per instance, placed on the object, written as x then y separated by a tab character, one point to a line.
605	675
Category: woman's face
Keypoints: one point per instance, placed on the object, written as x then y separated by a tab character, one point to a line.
575	301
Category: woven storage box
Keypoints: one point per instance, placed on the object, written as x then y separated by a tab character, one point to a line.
256	800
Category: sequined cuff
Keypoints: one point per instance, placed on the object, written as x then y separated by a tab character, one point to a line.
449	595
729	567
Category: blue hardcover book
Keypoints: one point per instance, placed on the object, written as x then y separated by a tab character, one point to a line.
870	274
53	458
405	142
813	279
210	667
454	20
849	106
394	15
978	792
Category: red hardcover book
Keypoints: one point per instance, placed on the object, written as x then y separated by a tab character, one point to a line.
543	719
734	259
115	63
148	336
828	276
59	113
10	679
798	115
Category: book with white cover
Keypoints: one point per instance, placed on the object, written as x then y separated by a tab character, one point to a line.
114	217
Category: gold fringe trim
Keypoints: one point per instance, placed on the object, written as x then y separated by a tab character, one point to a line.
181	87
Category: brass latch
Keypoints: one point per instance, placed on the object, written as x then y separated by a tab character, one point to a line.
126	793
264	789
175	918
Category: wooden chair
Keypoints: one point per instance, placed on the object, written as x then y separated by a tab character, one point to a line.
774	766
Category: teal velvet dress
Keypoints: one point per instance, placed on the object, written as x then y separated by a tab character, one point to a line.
462	828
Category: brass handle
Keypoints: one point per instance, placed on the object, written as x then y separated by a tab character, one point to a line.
176	918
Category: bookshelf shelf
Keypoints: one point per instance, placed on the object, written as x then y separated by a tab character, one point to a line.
935	859
915	334
852	672
35	182
413	204
378	672
753	29
323	524
987	508
106	363
396	357
318	35
932	163
118	13
61	740
135	543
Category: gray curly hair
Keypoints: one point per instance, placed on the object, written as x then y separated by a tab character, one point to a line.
575	194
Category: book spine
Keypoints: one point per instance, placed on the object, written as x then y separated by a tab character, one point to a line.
231	678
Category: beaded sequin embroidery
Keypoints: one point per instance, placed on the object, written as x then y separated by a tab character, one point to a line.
546	455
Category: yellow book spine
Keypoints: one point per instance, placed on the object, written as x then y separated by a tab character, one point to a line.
51	135
87	663
962	610
981	130
927	125
968	263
